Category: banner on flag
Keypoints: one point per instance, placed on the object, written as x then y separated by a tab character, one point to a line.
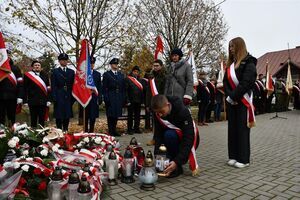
191	61
4	60
83	79
269	82
158	54
289	81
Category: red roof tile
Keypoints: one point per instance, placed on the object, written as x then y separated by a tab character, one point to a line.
277	59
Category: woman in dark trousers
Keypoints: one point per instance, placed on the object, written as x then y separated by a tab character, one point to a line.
239	80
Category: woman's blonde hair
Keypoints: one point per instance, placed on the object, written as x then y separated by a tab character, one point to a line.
240	51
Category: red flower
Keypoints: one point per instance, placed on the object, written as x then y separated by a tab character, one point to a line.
37	171
42	185
22	182
47	172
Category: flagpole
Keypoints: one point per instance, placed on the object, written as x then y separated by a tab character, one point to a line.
84	119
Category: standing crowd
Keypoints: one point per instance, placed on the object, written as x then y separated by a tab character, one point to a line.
166	93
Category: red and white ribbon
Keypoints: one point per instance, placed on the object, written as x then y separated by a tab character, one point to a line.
153	87
246	99
38	81
206	88
297	88
12	78
135	82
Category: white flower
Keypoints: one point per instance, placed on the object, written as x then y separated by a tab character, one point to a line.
55	148
12	143
86	139
7	164
25	168
103	144
98	140
29	159
57	145
2	135
79	144
45	140
25	153
23	132
16	165
44	152
60	151
16	139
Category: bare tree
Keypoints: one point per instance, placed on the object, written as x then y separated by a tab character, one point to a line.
179	21
64	23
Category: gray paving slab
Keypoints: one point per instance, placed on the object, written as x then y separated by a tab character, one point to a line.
274	171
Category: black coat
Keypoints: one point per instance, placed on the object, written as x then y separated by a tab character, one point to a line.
8	90
246	74
113	93
180	116
93	105
33	95
203	95
61	89
133	93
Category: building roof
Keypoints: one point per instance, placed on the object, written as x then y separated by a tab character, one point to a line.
277	60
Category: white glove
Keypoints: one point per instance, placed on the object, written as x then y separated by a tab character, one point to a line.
19	101
48	103
229	100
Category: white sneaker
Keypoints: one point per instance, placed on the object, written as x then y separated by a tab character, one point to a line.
231	162
241	165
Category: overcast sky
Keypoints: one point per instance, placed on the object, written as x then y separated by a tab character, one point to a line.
265	25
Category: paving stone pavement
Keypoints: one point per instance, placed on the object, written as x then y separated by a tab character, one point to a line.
274	171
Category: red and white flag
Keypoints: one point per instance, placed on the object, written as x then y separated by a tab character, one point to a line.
80	90
158	54
269	82
4	60
289	81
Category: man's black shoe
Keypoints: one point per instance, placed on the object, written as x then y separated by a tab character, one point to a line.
176	172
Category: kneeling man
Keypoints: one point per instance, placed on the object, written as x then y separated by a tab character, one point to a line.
177	130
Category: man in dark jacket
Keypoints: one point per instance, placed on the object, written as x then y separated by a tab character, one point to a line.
134	97
203	98
11	94
92	109
176	130
114	95
36	88
212	100
62	79
158	74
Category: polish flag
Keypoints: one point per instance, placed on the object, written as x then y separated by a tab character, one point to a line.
81	92
269	82
4	60
158	54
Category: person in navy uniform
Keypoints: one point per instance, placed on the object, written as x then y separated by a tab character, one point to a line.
11	94
114	95
203	98
35	95
92	109
62	79
134	96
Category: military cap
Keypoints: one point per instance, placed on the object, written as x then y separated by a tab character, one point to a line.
63	56
114	61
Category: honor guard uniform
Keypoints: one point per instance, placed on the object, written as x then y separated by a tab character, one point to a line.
114	95
92	109
36	88
62	79
11	94
296	95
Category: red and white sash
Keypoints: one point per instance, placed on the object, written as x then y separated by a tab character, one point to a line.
257	86
136	82
192	156
38	81
297	88
153	87
246	99
261	84
206	88
213	86
12	78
